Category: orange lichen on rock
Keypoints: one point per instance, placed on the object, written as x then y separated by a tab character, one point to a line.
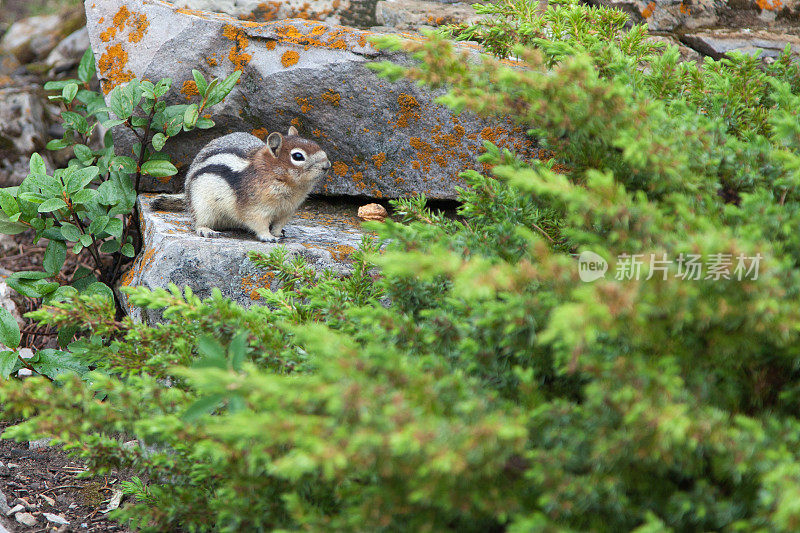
270	45
769	5
331	97
340	168
295	122
189	89
340	251
264	12
647	12
319	36
425	153
211	60
305	105
240	43
121	16
112	65
137	22
139	25
289	58
252	283
108	34
492	134
358	179
261	133
409	108
379	159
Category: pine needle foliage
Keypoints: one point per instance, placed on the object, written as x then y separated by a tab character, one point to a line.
463	377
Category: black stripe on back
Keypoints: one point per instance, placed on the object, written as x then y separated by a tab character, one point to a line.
233	151
233	178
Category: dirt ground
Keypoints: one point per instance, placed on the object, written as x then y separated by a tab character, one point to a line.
45	481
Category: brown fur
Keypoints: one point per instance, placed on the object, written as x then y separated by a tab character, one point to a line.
260	194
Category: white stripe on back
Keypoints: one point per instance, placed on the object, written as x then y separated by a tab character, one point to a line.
232	161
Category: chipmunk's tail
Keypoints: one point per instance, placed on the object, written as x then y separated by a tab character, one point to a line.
169	202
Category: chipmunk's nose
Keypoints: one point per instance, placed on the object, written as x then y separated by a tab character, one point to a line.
326	164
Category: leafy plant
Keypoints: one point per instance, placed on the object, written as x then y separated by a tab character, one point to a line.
89	205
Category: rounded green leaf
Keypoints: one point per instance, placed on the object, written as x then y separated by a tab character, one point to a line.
70	232
159	169
8	363
200	81
54	256
37	167
100	288
83	153
8	203
110	247
52	204
9	329
69	92
159	139
191	115
56	144
86	67
204	123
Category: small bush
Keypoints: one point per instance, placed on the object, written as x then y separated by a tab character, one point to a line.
89	206
466	378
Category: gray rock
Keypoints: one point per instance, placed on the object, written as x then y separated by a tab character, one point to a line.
25	40
17	508
767	44
4	507
68	52
258	10
23	130
668	15
686	53
384	139
3	529
26	518
172	253
38	444
33	38
416	14
56	519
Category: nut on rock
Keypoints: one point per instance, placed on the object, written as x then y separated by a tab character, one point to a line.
372	212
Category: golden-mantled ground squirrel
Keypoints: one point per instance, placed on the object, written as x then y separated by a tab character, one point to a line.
239	181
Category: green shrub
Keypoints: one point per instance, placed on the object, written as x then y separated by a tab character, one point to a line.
89	205
465	378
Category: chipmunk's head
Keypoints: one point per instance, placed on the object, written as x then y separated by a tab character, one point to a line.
300	158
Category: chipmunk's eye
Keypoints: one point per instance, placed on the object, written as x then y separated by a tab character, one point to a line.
298	156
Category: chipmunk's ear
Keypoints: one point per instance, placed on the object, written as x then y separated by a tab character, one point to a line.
274	142
292	130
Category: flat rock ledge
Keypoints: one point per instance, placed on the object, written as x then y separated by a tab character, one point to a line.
385	139
324	234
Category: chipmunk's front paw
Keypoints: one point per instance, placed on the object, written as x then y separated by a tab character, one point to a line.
207	232
267	237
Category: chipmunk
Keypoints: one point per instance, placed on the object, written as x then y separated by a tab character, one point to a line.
240	181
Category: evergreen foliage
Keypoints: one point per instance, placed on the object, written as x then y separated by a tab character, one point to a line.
465	378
